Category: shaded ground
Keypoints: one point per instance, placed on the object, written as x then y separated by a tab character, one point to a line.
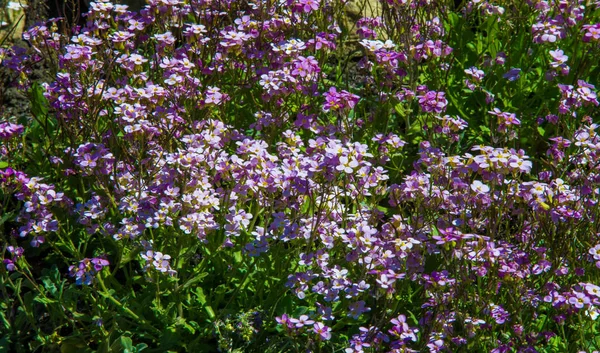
13	103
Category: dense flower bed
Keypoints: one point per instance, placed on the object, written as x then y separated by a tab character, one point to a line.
268	176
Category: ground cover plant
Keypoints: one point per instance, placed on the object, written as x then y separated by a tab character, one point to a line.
281	176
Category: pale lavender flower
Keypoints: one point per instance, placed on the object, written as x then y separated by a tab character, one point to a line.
302	321
323	331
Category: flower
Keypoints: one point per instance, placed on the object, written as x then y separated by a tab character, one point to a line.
323	331
302	321
87	269
347	165
480	187
309	5
513	74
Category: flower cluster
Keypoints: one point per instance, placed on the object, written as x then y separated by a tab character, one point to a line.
230	155
9	130
87	269
16	253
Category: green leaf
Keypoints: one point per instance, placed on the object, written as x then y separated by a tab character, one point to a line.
129	256
3	164
5	217
126	343
541	131
194	280
39	104
170	338
202	300
73	345
412	317
42	300
49	278
558	343
4	320
200	296
301	310
237	256
454	19
187	327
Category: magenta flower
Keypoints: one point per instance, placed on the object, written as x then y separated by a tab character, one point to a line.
433	102
592	32
342	100
8	130
285	321
558	57
309	5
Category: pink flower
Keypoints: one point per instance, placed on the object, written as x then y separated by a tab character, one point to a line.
309	5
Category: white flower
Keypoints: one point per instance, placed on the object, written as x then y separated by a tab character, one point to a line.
480	187
592	312
372	45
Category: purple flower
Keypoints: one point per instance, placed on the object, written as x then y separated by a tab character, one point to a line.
595	252
87	269
8	130
548	31
558	57
339	101
402	331
579	300
592	32
323	331
347	165
308	5
433	102
500	58
593	289
158	261
499	314
475	73
357	309
512	74
10	265
285	321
